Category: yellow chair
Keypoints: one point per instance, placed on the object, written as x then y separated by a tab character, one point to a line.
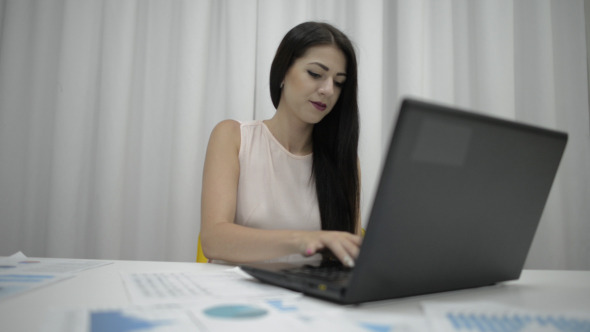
200	255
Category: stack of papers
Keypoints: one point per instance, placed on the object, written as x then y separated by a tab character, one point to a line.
220	301
212	314
232	300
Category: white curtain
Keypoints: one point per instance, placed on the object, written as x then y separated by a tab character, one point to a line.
106	106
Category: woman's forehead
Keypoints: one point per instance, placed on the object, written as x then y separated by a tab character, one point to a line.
328	56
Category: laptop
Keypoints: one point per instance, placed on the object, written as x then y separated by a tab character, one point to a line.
457	205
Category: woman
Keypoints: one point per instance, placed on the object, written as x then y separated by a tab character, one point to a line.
288	187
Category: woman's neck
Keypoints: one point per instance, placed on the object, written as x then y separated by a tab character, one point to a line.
295	136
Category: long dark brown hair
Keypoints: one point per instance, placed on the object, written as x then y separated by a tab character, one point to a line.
335	137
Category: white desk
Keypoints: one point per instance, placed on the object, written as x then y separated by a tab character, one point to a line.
539	290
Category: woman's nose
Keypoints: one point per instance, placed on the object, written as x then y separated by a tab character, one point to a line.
327	88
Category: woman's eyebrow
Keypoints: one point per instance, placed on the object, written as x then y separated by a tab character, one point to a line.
326	68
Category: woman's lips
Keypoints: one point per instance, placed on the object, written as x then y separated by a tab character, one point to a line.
319	106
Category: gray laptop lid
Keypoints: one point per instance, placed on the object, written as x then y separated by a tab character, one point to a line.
458	203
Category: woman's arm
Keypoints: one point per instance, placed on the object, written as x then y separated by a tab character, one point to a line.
222	239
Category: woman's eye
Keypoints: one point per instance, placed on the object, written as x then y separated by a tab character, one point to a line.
339	84
312	74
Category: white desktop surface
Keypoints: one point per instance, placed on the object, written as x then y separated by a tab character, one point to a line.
103	286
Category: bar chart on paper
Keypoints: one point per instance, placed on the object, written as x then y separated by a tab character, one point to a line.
485	317
116	320
120	319
516	323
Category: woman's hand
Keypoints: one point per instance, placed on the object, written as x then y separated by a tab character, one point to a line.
344	245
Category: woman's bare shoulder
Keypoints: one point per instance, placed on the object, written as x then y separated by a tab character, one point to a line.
228	126
226	132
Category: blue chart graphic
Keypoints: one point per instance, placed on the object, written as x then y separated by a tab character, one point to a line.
116	321
376	327
235	312
516	323
24	278
280	306
11	284
9	290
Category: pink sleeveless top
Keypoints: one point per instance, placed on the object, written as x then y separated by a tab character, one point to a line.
275	189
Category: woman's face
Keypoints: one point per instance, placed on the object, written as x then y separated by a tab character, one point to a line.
313	83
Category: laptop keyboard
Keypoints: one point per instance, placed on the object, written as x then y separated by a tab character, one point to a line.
327	273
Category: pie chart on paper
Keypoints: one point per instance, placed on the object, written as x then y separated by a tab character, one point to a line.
235	311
